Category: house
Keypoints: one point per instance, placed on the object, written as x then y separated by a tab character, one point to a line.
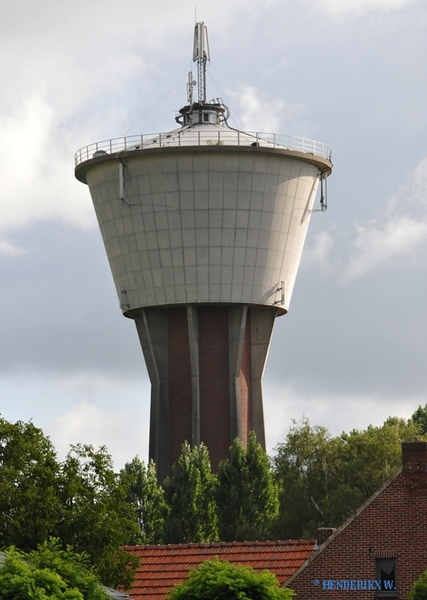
376	554
382	549
162	567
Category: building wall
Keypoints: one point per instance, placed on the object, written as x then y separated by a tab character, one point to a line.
214	382
179	382
392	525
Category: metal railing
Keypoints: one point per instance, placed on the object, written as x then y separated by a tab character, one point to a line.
199	137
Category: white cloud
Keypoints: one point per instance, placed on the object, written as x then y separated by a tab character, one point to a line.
378	244
89	384
414	192
402	232
10	249
336	413
38	183
317	253
255	113
348	9
88	423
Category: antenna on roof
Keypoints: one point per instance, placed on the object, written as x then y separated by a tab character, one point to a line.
191	83
201	55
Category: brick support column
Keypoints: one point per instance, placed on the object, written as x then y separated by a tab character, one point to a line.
205	365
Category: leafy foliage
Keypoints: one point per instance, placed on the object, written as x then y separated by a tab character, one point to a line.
247	495
48	572
147	498
215	580
323	480
316	480
189	494
420	418
29	503
80	501
302	467
419	589
96	517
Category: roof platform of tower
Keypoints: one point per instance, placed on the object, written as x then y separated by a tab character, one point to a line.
205	137
203	125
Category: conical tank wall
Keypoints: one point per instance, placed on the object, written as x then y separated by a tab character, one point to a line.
203	226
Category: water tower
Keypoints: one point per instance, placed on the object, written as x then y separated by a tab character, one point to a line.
204	228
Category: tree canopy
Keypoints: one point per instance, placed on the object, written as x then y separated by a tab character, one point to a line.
314	480
323	479
420	418
147	498
81	501
96	516
221	579
28	464
48	572
246	495
419	589
189	493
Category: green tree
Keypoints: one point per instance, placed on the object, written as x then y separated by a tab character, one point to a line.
247	495
147	498
216	579
81	501
419	589
96	517
420	418
303	468
366	459
323	479
48	572
189	493
29	503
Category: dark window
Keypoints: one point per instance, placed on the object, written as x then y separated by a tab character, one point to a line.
386	574
206	117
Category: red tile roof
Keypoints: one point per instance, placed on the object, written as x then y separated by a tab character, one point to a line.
164	566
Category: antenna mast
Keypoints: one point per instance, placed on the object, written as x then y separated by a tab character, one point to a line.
200	56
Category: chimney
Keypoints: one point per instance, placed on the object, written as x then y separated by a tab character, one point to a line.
414	455
324	533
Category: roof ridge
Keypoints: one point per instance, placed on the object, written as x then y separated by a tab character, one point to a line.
221	544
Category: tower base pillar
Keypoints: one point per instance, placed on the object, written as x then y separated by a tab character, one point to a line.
205	364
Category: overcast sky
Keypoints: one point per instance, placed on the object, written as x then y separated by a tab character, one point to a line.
351	74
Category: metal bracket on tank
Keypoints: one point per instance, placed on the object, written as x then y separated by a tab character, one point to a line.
323	193
282	296
122	183
123	292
